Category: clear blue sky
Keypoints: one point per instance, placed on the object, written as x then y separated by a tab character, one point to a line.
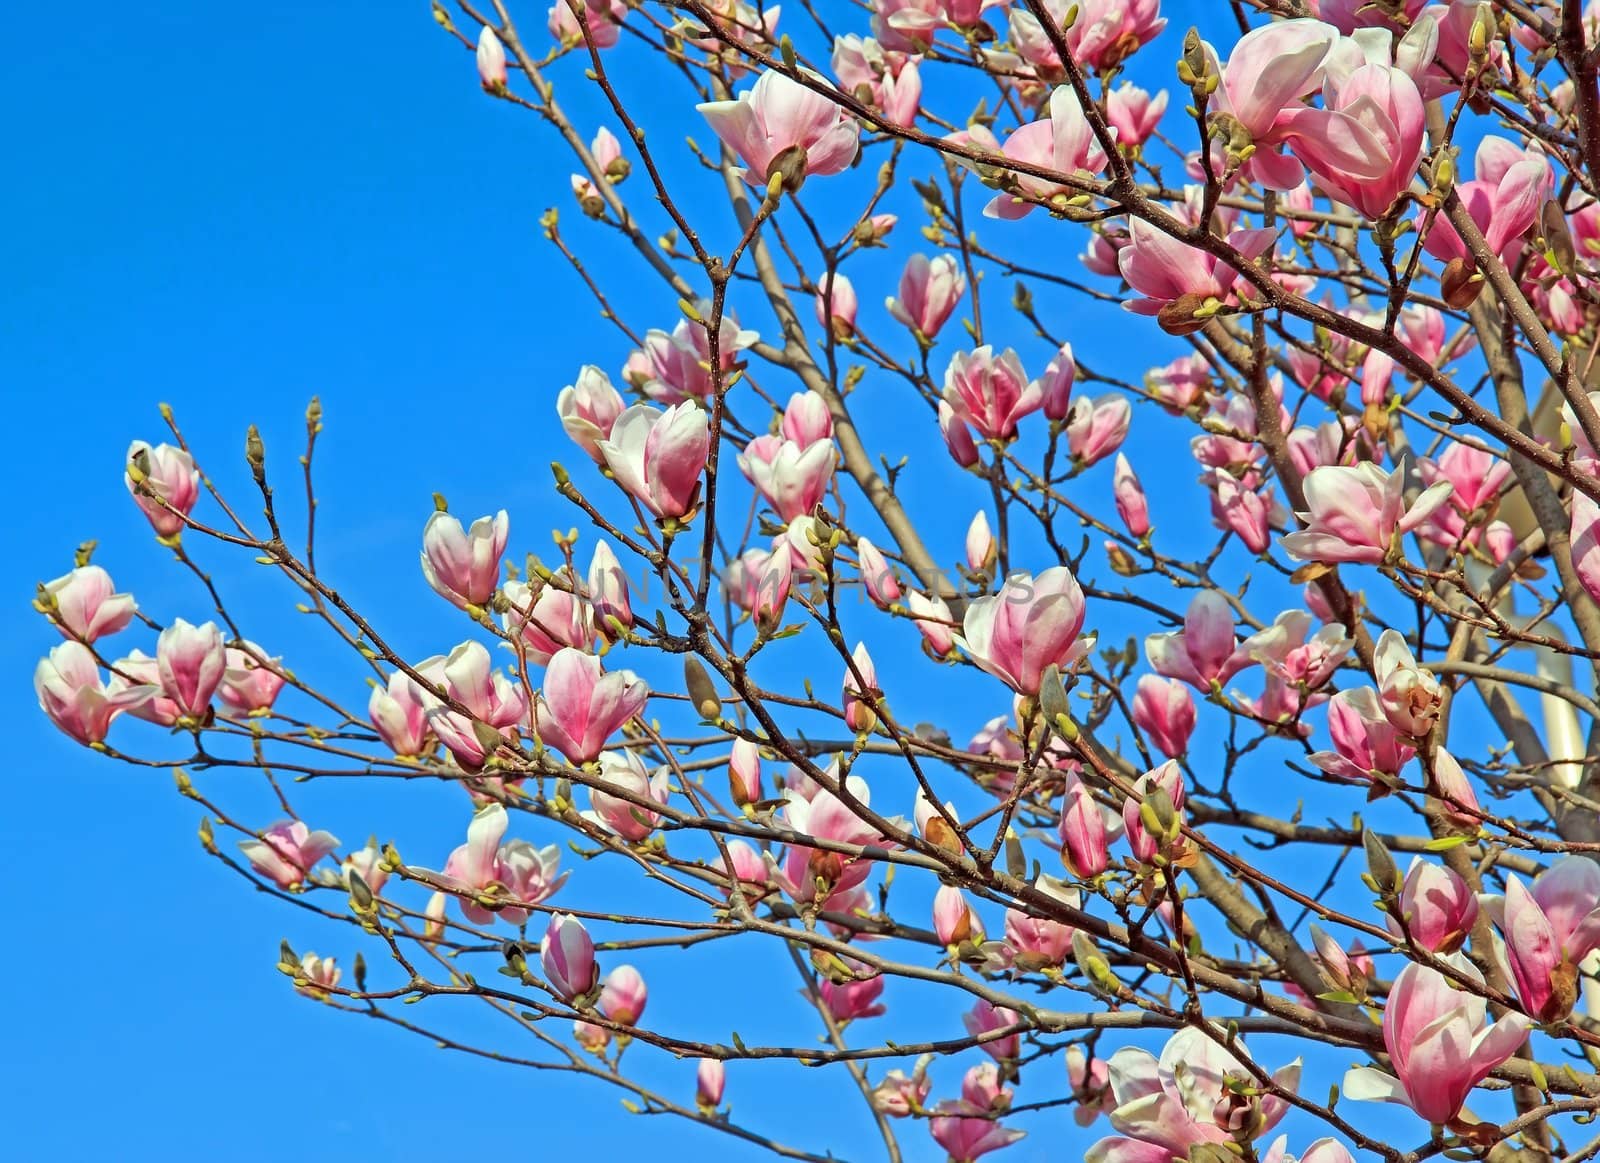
231	212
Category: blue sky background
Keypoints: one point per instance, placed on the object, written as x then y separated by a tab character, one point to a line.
229	213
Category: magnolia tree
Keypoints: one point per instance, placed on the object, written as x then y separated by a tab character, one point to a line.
1311	774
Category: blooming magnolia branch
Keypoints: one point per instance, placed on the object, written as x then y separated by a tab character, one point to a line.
1193	837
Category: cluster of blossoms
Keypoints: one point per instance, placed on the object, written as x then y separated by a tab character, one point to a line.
1328	261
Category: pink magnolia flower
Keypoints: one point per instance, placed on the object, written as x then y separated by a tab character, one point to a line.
550	617
710	1082
658	456
1036	942
1288	649
855	997
1296	204
968	14
170	474
1503	200
618	815
72	694
608	592
991	392
595	1039
1062	143
463	566
778	115
803	538
1097	428
907	26
286	851
603	17
1585	533
317	976
492	879
367	863
567	955
1549	932
1146	845
1359	513
86	604
1230	441
1438	907
1423	329
1104	34
957	436
967	1132
1409	693
740	23
817	875
758	582
837	305
588	409
1349	15
1108	32
1345	969
889	81
876	576
623	996
1134	114
792	478
672	368
984	1018
1166	1106
935	622
1476	479
1453	791
138	674
1165	712
1332	442
929	292
1100	253
806	419
1086	830
1240	510
251	681
898	1096
1204	651
1440	1043
468	677
191	661
399	715
859	714
980	546
1132	506
1365	742
1322	1151
491	60
954	919
1178	282
1181	383
1032	623
1363	145
1272	67
1090	1080
1055	385
744	772
606	151
581	706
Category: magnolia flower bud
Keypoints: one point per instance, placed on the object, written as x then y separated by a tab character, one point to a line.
702	693
1382	875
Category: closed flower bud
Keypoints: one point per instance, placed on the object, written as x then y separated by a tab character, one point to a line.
491	61
567	955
